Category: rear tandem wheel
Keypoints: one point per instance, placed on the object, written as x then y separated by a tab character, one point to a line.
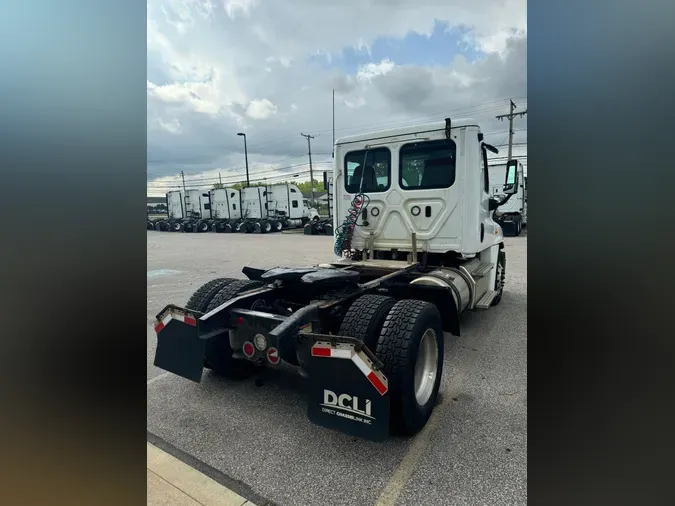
411	348
218	350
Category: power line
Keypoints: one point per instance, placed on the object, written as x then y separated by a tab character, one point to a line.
272	179
404	121
158	184
204	179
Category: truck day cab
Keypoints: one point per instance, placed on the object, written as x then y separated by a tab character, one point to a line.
415	246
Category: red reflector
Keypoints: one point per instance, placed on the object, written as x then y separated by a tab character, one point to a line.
372	377
190	320
240	320
273	356
321	352
248	349
159	327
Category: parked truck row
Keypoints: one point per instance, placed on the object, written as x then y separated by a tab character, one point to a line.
259	209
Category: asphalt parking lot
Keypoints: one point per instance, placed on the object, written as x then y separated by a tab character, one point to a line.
473	450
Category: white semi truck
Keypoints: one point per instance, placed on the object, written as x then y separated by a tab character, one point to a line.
272	208
415	247
512	216
186	212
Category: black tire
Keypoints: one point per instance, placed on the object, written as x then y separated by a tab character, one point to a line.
258	227
500	278
175	227
202	226
266	227
365	317
200	300
398	348
150	226
519	227
218	350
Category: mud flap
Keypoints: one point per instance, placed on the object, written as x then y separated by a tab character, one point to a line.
180	350
346	394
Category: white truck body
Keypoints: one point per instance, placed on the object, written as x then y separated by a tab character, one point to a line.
193	204
517	204
418	181
174	204
252	202
225	204
286	200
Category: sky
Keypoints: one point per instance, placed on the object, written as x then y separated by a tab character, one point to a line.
269	68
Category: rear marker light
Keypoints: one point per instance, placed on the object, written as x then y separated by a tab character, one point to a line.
240	320
260	342
248	349
190	320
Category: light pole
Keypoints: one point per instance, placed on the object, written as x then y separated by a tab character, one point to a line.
246	155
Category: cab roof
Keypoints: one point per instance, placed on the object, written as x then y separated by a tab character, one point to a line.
407	130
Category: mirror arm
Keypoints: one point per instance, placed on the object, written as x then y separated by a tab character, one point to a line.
494	203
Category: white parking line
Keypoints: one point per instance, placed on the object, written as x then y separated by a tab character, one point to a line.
396	484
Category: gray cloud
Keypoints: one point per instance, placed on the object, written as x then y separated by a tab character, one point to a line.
217	67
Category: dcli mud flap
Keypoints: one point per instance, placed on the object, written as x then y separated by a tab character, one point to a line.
180	350
346	393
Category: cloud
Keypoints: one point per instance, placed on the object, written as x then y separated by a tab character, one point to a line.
370	70
251	66
261	109
171	126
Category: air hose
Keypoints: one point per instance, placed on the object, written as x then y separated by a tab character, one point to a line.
344	233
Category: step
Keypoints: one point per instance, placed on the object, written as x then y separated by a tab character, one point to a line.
486	300
481	269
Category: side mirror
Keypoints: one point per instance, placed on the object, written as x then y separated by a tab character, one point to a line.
511	182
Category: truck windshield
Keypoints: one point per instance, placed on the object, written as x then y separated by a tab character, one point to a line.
426	165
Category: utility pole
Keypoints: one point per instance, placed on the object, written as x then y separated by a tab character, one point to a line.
512	114
311	173
182	174
220	178
333	150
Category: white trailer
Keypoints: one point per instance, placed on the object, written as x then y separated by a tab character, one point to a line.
512	216
416	248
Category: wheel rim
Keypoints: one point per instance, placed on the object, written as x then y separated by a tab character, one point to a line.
426	367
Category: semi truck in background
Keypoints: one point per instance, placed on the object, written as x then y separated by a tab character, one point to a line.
512	216
258	209
273	208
